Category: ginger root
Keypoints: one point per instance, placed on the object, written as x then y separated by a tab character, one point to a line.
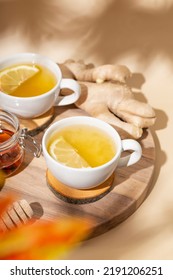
105	95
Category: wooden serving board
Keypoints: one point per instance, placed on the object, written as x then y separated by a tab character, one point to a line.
130	187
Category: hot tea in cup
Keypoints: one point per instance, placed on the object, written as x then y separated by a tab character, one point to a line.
83	152
26	80
81	146
30	85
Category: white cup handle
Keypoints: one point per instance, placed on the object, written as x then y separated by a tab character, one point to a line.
127	145
69	99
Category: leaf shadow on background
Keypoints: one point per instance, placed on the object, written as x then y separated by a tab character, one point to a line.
108	31
118	28
36	20
123	28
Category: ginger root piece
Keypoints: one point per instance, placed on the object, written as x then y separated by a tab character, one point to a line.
100	74
105	95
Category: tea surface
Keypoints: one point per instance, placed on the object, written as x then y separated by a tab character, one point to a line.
93	145
36	83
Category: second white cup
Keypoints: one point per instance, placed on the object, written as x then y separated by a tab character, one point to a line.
85	178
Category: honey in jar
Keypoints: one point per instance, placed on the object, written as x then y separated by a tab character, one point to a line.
11	153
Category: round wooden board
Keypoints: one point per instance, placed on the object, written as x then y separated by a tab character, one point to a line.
130	187
38	124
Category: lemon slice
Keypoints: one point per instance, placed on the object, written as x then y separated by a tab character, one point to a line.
13	77
66	154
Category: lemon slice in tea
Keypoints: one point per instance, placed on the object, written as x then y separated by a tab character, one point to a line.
13	77
66	154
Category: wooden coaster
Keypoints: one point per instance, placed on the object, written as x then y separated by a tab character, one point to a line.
78	196
38	124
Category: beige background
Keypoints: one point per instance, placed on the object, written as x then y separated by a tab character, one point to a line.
139	35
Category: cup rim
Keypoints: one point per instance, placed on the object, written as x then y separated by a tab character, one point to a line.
91	169
34	55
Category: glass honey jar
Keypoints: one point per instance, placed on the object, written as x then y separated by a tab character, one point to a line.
13	142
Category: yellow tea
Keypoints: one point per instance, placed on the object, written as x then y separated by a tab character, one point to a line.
26	80
81	146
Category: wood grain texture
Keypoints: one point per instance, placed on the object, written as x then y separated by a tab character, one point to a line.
38	124
130	187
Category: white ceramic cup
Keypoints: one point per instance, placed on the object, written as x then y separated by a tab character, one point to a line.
31	107
85	178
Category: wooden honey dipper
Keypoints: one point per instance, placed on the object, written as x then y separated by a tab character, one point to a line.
17	214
